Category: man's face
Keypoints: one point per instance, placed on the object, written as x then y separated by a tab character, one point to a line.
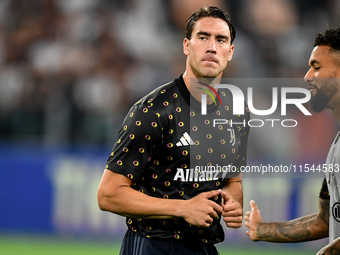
209	48
323	78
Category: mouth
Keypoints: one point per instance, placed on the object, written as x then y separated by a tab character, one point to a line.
210	59
312	88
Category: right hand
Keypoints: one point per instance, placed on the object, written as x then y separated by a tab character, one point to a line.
253	219
232	211
200	210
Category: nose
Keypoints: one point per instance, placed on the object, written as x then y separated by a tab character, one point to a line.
211	46
309	76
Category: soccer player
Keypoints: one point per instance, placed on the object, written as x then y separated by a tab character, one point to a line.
151	176
323	79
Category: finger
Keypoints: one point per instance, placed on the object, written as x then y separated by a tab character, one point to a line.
213	214
226	197
233	219
231	206
247	224
233	213
204	225
234	225
253	206
248	214
208	222
246	218
214	210
217	208
248	232
212	193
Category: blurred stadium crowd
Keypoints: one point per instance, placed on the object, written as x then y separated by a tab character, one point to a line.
70	69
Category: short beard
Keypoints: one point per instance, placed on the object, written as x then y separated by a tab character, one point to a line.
323	95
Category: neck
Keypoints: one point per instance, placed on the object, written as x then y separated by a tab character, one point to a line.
195	88
207	80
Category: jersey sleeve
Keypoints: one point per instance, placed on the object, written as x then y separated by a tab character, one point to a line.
324	193
138	138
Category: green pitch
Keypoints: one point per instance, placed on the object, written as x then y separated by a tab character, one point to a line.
28	245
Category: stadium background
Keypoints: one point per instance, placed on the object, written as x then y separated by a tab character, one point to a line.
70	69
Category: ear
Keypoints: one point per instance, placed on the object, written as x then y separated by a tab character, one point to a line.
231	52
186	43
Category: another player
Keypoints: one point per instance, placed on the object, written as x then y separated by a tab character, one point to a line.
152	178
323	79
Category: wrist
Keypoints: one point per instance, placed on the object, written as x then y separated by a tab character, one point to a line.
179	208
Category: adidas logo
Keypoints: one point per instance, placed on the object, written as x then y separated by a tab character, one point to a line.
185	140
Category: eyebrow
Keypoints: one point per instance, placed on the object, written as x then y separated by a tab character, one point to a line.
209	34
313	62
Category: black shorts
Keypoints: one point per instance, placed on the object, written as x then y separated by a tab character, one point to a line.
134	244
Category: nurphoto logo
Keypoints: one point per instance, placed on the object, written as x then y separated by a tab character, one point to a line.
239	106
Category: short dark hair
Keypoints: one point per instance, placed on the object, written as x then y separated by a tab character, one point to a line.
330	37
210	11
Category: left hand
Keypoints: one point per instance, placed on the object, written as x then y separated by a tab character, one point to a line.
232	211
253	220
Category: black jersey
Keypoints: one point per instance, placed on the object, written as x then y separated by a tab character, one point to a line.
165	146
